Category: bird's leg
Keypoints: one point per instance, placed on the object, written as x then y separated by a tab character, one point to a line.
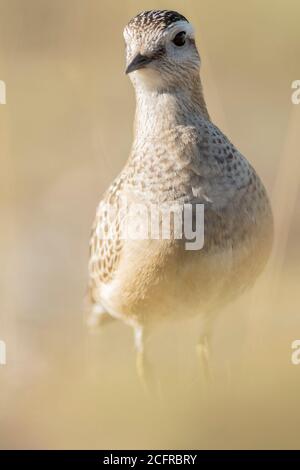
98	317
144	369
141	362
203	353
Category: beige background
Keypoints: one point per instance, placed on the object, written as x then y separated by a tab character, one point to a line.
65	132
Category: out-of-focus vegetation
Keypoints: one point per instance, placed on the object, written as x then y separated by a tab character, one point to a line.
65	132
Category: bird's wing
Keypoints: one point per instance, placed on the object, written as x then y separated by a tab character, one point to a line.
223	173
105	240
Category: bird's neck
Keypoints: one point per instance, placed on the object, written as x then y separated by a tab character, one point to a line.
160	110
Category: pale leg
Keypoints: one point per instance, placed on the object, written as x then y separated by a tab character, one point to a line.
143	367
204	352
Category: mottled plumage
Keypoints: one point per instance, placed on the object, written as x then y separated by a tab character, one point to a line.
178	155
159	19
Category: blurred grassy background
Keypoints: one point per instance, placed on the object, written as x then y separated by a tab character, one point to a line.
65	132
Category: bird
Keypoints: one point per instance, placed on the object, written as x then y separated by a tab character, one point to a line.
179	157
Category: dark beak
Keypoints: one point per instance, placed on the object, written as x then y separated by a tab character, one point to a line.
139	62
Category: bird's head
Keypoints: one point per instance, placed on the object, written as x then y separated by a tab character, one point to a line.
160	49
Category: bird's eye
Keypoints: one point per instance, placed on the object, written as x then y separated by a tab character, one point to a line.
179	39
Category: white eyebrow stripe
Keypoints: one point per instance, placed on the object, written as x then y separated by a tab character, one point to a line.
181	26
